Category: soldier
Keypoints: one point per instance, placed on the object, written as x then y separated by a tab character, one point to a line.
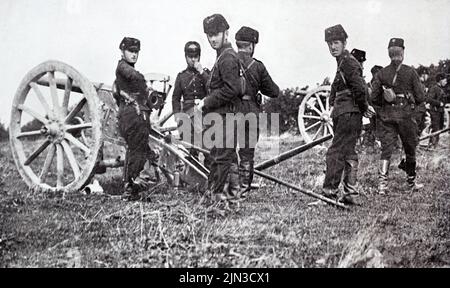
435	98
224	91
372	127
349	101
190	87
397	90
257	79
134	125
421	110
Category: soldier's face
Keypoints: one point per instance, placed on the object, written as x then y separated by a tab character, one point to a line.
192	60
443	82
336	47
130	56
216	40
424	77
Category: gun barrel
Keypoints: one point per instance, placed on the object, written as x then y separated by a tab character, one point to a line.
291	153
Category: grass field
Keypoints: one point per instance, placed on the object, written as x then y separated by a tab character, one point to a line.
273	227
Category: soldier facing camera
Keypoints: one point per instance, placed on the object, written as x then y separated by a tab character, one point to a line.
134	121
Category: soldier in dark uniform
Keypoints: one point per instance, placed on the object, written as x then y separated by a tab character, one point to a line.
397	90
367	136
190	87
224	92
435	98
372	128
349	100
421	110
134	125
257	80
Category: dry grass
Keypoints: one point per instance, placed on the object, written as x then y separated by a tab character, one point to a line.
273	227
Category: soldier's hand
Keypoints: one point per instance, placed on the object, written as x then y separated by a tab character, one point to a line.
441	104
198	67
427	106
370	112
200	104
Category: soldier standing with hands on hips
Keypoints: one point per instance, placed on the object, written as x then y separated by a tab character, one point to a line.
397	91
349	100
131	93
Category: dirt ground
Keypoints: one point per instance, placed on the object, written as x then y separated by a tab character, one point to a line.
273	227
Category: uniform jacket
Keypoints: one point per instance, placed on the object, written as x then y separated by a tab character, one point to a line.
189	85
224	85
258	77
356	100
407	83
129	80
435	97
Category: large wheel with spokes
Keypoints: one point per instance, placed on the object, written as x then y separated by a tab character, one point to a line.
55	133
314	119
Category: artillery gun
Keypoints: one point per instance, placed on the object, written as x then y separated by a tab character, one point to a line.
77	118
67	150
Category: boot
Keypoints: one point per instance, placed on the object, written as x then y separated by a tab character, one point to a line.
330	193
402	165
383	176
348	199
350	177
130	193
246	176
234	185
411	176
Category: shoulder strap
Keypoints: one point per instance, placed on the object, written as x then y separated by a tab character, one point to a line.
216	63
395	76
252	81
340	72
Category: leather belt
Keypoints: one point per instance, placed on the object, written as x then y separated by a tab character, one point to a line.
346	91
191	101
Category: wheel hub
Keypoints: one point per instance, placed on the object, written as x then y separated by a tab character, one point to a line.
325	117
54	131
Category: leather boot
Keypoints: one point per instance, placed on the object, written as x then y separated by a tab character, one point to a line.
411	176
350	177
330	193
402	165
245	175
234	184
383	176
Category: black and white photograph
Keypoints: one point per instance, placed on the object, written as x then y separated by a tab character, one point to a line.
224	134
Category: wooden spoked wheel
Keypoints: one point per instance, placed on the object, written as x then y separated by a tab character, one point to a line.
55	133
314	119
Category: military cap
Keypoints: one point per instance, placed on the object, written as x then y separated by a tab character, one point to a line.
360	55
335	32
440	76
130	44
396	42
192	49
214	24
375	69
247	34
423	70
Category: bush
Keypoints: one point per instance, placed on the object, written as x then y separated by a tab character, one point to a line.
286	105
4	135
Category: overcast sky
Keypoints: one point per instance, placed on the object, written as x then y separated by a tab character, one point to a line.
86	35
